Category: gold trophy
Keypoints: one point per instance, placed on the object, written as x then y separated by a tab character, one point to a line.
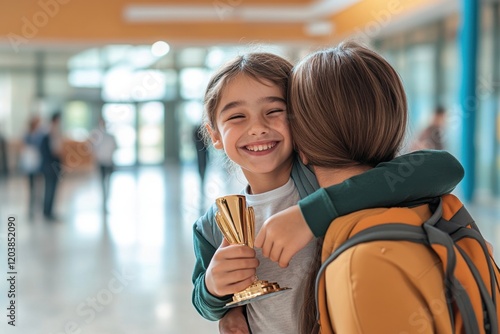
237	224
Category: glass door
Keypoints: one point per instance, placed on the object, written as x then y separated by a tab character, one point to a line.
139	132
151	133
121	120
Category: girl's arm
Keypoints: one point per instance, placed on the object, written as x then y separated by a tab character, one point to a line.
407	178
410	177
209	306
218	272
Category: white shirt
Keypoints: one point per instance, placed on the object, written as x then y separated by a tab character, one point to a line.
104	149
281	313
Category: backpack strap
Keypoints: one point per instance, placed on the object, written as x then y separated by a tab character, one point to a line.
455	292
436	233
488	301
461	225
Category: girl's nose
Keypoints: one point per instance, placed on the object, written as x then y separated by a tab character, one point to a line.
258	128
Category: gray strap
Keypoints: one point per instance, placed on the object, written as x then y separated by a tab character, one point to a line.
457	291
491	321
470	233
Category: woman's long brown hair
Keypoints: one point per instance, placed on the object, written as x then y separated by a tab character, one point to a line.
308	323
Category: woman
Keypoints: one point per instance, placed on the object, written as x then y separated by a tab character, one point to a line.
349	107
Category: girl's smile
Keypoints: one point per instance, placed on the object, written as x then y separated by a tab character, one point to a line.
261	147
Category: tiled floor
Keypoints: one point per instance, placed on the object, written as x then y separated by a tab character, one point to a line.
126	269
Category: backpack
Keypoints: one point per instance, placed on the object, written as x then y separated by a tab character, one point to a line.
472	278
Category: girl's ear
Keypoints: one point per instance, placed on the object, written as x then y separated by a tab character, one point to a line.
215	136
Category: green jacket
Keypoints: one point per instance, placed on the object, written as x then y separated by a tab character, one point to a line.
395	183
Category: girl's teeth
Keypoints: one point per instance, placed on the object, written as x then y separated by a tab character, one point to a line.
259	148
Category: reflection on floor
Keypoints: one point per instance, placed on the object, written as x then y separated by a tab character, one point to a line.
126	269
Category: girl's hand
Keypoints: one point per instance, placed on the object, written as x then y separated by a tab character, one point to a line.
283	235
234	322
232	269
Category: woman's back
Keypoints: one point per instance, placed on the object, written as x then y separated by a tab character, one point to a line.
377	278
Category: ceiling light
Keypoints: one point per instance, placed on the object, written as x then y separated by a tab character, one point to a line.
160	48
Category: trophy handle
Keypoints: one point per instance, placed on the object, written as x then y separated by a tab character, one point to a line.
250	226
232	216
225	228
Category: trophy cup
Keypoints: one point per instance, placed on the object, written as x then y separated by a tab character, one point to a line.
237	224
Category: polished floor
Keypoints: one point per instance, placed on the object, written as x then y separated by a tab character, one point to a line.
126	268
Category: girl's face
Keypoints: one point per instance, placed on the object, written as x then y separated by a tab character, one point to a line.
252	127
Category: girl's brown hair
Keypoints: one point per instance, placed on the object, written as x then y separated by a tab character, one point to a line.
260	66
347	108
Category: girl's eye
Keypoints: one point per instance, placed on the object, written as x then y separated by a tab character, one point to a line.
275	111
234	117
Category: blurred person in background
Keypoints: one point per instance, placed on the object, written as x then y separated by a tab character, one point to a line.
201	151
432	136
202	161
30	158
104	146
3	156
51	153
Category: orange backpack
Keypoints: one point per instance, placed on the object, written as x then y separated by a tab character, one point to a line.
472	278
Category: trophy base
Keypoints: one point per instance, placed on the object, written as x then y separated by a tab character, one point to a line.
258	290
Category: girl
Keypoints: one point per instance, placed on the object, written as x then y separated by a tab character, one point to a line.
246	116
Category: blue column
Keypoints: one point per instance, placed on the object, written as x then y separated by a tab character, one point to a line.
468	98
496	97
